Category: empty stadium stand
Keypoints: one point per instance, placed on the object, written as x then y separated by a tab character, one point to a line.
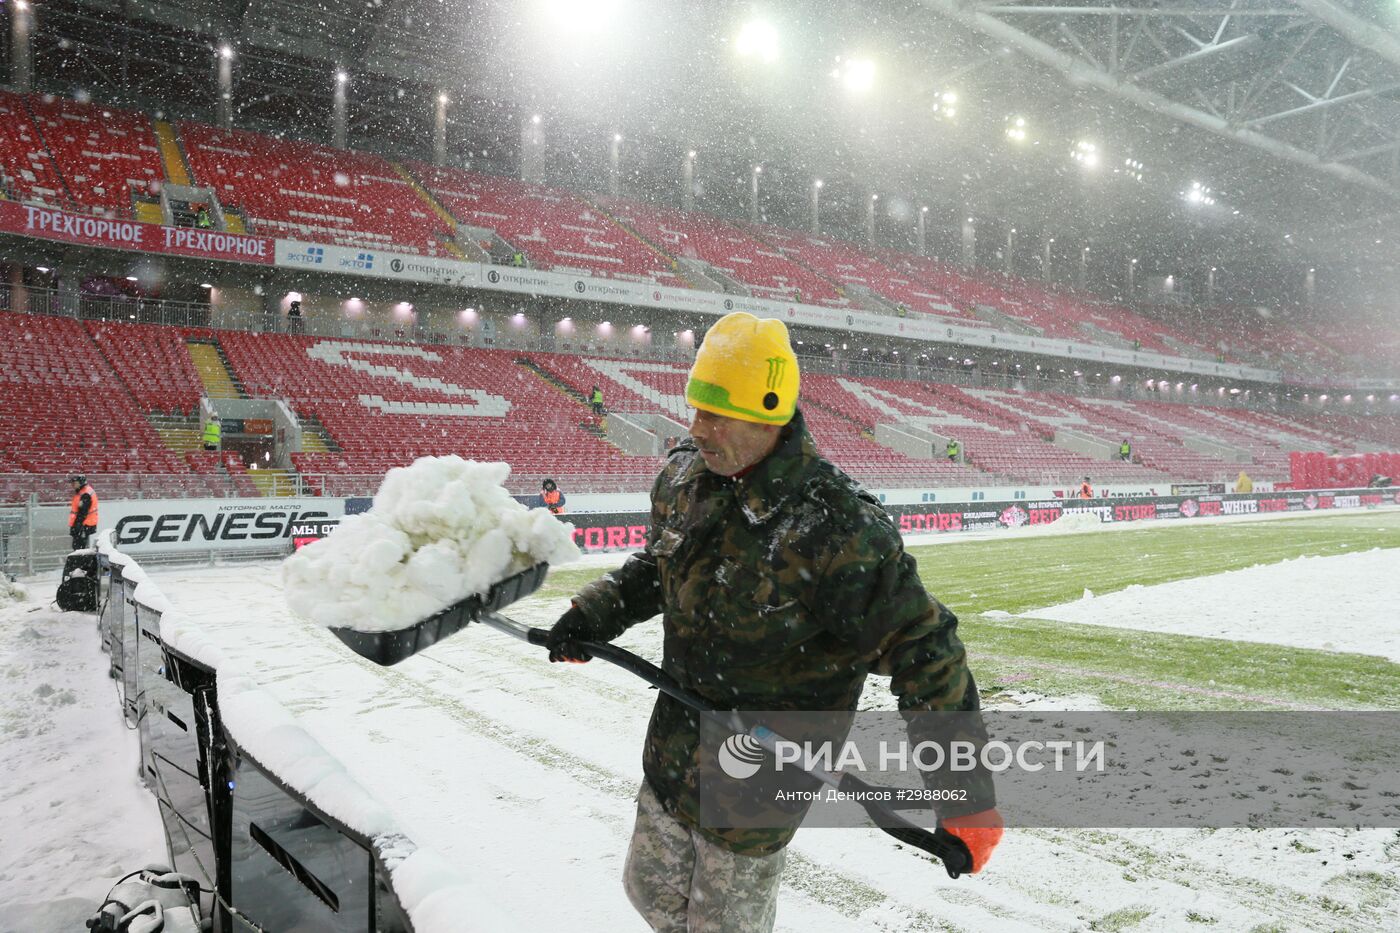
554	229
305	191
104	154
760	267
29	171
153	363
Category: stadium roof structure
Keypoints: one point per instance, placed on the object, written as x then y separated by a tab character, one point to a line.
1283	114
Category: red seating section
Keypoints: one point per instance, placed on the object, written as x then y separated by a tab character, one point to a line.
154	364
523	420
103	153
309	192
554	229
27	167
761	267
65	409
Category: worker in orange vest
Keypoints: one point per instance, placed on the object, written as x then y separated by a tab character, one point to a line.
552	498
82	512
1085	490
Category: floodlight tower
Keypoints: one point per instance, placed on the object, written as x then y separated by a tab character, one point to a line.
1132	271
688	181
531	147
1210	285
1045	260
21	63
440	130
923	239
615	166
753	192
1010	250
870	220
223	107
338	121
816	206
969	243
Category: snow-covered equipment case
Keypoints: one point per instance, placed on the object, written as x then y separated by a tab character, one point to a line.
77	590
391	647
152	900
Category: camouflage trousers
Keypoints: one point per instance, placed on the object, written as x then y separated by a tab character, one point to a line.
680	882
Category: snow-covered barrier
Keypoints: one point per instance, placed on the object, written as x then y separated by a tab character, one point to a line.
252	805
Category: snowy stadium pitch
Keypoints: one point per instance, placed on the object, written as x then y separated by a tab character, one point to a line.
517	771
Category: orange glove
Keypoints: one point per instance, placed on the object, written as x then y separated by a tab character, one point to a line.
980	832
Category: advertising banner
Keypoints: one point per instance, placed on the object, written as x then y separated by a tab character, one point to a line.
50	224
627	531
143	526
376	263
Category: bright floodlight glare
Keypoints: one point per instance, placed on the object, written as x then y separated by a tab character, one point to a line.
1016	129
341	77
1086	154
225	50
580	16
442	98
691	154
818	183
535	119
757	39
858	75
617	137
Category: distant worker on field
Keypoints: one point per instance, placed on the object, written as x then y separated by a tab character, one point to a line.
1085	490
202	220
954	449
595	398
1243	483
82	512
213	434
552	498
1125	451
517	259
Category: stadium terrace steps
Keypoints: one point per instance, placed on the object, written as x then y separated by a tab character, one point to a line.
177	170
148	212
213	372
277	483
180	434
436	205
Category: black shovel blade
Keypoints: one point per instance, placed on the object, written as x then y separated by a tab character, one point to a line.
388	648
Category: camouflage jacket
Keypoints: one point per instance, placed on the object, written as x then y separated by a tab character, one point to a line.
779	590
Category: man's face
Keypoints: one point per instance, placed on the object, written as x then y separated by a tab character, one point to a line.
729	445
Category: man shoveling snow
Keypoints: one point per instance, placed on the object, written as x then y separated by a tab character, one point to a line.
440	530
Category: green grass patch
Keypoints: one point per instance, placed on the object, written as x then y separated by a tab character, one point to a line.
1120	919
1130	669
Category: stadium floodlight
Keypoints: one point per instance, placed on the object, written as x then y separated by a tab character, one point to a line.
818	183
1198	194
581	16
923	210
226	51
1086	154
617	137
690	154
205	285
442	98
131	278
341	77
969	220
21	5
1016	129
858	75
874	197
535	119
757	40
42	268
945	106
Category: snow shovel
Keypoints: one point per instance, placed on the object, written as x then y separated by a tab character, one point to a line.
388	648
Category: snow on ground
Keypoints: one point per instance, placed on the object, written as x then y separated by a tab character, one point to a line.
74	817
521	775
1262	603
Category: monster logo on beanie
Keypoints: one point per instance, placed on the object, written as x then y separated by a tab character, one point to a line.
745	369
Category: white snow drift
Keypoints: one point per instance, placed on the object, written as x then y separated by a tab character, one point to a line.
441	530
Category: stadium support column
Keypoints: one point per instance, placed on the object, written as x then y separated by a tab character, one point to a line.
531	148
923	233
338	121
223	104
816	206
969	243
1045	260
1083	268
870	221
440	131
1210	286
753	192
1010	250
21	66
1310	287
688	181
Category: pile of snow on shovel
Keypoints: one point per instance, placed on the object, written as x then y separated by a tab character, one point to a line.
440	530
